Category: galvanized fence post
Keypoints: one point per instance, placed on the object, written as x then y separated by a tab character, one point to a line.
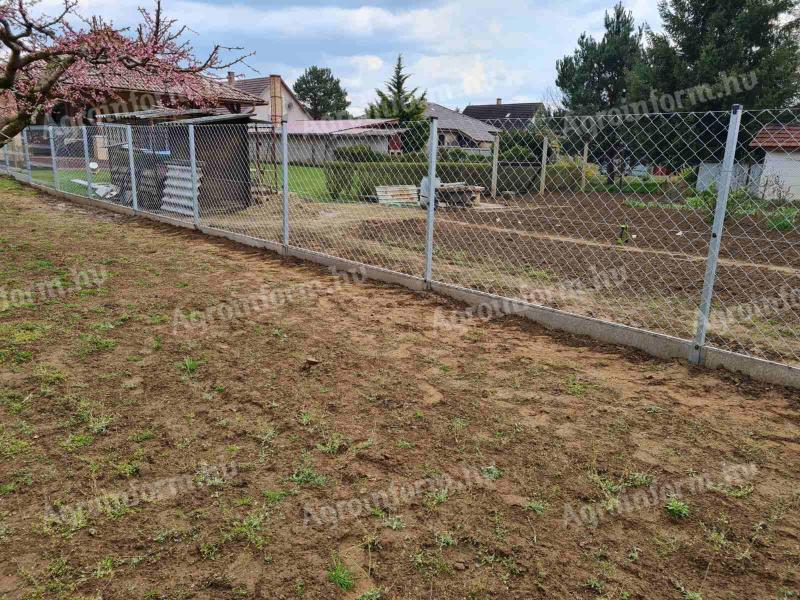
285	183
433	150
5	156
495	162
54	156
696	353
132	168
193	166
86	160
543	176
26	150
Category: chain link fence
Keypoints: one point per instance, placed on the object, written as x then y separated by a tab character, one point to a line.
682	224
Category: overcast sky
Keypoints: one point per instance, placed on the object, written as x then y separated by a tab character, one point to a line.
460	51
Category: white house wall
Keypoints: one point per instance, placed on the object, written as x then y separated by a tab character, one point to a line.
781	178
319	149
748	176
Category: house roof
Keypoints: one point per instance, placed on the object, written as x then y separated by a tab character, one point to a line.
255	86
337	126
194	85
181	116
777	137
260	86
495	112
456	121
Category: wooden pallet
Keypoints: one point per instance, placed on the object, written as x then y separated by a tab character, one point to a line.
397	194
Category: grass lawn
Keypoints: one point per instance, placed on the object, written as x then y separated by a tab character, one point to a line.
307	182
65	177
182	417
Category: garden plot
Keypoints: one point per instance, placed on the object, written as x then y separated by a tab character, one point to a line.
541	248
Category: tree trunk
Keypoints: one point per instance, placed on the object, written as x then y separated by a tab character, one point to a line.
13	127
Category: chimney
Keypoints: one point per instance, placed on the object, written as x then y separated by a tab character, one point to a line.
499	101
276	98
231	78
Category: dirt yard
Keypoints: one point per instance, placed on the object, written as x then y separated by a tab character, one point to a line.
535	247
289	433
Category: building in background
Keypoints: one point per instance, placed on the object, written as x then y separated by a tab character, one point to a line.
457	130
279	101
505	116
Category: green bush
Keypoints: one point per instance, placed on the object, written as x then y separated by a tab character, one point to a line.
415	137
460	155
567	175
782	219
519	153
631	186
358	154
742	202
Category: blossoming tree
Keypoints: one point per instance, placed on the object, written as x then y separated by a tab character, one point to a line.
46	60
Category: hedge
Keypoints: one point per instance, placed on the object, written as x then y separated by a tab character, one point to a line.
354	181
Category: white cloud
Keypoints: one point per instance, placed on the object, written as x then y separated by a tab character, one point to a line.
460	51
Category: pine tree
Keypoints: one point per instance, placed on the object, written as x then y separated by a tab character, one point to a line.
321	93
594	77
397	102
742	51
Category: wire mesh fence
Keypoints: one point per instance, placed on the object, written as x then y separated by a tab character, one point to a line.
680	224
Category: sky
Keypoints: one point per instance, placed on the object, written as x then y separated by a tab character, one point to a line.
461	51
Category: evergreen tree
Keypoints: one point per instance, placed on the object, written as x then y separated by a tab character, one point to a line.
397	102
321	93
594	77
738	51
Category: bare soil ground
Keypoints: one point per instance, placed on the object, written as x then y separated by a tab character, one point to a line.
532	247
375	445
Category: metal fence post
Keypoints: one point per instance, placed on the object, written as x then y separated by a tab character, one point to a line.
86	160
285	183
5	156
495	163
193	165
695	355
54	156
585	165
26	150
432	154
543	177
132	168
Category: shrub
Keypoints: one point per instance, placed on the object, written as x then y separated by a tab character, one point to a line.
634	186
742	202
782	219
461	155
358	154
415	137
519	153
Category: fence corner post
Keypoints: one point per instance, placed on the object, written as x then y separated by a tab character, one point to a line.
54	157
26	150
193	175
433	150
285	183
696	355
86	160
495	162
132	168
543	176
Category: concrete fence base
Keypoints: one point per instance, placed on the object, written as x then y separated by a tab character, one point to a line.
654	344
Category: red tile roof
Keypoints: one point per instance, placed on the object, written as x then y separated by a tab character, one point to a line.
777	136
195	85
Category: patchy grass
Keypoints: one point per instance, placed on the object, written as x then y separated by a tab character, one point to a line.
438	464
